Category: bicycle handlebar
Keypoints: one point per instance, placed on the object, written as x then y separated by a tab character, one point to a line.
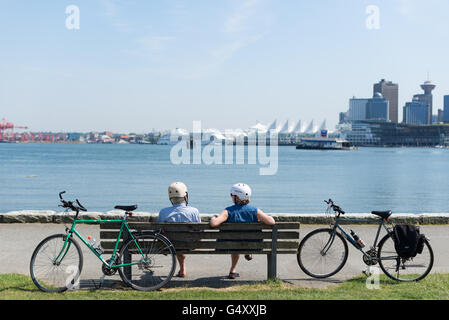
70	205
334	206
80	205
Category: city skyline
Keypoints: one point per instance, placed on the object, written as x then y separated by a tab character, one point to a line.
283	121
135	66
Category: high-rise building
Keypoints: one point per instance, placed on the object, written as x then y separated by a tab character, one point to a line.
390	92
357	109
446	109
377	108
415	112
342	117
426	98
440	116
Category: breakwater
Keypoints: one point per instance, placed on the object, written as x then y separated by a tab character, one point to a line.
47	216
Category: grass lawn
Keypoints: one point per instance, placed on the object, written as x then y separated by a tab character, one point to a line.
434	286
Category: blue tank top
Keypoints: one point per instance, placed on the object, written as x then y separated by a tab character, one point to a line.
242	213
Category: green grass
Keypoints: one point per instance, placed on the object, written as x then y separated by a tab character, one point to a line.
434	286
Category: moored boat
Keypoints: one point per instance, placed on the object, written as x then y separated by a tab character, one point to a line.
323	143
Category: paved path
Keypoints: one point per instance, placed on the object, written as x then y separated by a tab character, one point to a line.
17	242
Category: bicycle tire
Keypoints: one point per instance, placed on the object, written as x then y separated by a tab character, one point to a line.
157	266
386	249
308	250
50	277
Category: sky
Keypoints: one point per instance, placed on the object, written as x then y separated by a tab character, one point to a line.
135	65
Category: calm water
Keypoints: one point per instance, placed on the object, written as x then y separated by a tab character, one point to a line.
101	176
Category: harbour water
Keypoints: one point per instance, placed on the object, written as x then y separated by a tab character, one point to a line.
405	180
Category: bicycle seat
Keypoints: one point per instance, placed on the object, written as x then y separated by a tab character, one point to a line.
382	214
126	208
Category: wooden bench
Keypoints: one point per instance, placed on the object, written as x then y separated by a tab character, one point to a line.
200	238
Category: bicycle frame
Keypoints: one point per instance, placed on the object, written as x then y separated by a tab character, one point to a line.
351	240
73	231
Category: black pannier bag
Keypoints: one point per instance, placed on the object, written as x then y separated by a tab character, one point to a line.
420	245
408	242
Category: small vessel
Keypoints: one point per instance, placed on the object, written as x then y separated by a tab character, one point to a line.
323	143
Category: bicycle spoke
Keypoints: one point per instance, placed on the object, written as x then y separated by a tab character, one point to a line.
50	277
153	265
321	256
412	269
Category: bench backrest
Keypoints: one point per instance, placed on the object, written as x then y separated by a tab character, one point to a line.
200	238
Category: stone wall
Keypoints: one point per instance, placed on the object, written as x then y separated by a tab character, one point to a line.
42	216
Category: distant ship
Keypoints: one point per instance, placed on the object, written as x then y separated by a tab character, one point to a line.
323	143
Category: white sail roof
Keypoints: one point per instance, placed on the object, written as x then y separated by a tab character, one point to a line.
291	126
272	126
297	128
259	127
309	128
323	125
284	128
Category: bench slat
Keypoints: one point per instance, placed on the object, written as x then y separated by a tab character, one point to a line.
224	251
181	235
219	245
198	226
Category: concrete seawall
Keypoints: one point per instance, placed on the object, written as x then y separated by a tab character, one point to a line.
43	216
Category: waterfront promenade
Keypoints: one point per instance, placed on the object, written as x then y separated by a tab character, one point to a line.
18	241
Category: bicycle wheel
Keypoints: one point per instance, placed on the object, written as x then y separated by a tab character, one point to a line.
55	268
410	269
320	255
154	258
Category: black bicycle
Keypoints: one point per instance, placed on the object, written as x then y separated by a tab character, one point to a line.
323	252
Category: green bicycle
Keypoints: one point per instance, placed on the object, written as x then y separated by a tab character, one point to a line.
146	261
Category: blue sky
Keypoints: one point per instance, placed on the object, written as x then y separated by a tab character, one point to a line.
138	65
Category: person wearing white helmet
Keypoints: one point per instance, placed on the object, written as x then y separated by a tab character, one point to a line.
180	211
241	211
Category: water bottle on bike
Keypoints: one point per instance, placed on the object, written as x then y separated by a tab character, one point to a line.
357	239
96	246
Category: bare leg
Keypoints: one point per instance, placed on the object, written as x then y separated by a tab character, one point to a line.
234	258
182	264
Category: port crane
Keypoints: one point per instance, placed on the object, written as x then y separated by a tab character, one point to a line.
7	130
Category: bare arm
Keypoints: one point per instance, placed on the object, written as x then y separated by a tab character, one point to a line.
217	220
264	218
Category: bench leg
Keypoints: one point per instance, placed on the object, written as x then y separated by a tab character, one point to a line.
126	258
272	257
127	269
271	266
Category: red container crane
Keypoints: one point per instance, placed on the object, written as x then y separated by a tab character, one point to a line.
7	130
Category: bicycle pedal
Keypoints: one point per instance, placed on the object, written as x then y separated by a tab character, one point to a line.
367	273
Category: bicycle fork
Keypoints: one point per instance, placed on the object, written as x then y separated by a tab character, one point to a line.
64	250
329	243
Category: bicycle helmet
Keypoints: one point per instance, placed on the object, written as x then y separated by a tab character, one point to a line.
241	190
177	190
